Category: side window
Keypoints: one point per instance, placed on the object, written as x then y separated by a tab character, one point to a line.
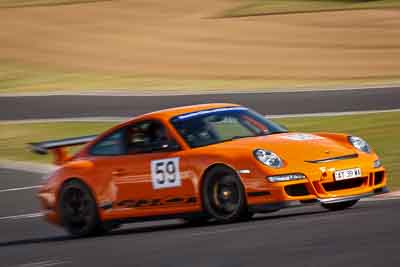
147	137
110	145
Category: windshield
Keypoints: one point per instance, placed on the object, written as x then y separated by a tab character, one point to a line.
213	126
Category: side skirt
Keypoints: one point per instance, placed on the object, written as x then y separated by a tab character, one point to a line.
193	215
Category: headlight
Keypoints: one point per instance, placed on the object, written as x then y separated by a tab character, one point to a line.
377	164
268	158
286	177
360	144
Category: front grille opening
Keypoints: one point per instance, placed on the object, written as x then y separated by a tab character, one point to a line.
371	179
297	190
379	177
346	184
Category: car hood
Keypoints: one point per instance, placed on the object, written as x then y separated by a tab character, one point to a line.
292	146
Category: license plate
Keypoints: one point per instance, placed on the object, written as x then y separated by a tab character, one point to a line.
347	174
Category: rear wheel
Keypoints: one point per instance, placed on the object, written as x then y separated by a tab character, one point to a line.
247	215
223	195
78	210
340	205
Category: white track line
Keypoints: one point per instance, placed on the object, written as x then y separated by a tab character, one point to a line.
332	114
194	91
20	188
47	263
76	119
118	119
23	216
372	199
26	166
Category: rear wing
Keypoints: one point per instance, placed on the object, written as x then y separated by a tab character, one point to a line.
57	147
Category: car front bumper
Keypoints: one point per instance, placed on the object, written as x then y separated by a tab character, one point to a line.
274	206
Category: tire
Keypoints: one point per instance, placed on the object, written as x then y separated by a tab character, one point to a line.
247	216
340	205
223	195
78	210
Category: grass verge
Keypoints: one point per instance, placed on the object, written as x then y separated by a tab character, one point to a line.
270	7
14	137
381	131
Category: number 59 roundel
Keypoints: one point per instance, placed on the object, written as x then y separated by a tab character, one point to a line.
165	173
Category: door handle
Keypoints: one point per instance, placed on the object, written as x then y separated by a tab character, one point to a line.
118	172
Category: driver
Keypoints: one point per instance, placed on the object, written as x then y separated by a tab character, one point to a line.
157	133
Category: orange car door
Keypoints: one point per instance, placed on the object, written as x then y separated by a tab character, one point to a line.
153	178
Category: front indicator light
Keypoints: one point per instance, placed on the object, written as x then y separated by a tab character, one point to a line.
377	164
286	177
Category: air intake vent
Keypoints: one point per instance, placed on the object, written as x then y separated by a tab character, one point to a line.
297	190
379	177
346	184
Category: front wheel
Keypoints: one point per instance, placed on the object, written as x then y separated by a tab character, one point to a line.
339	205
223	195
78	210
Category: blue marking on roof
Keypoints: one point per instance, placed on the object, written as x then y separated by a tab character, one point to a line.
209	111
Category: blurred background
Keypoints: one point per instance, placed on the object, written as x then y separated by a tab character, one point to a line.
77	67
146	45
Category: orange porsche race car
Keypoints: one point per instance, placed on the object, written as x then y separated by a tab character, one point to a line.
220	162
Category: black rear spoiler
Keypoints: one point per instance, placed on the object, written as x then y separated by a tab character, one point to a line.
43	147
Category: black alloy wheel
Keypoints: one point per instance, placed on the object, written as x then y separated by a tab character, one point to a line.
223	195
78	210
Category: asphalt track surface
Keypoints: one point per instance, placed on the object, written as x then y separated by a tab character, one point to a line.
366	235
67	106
